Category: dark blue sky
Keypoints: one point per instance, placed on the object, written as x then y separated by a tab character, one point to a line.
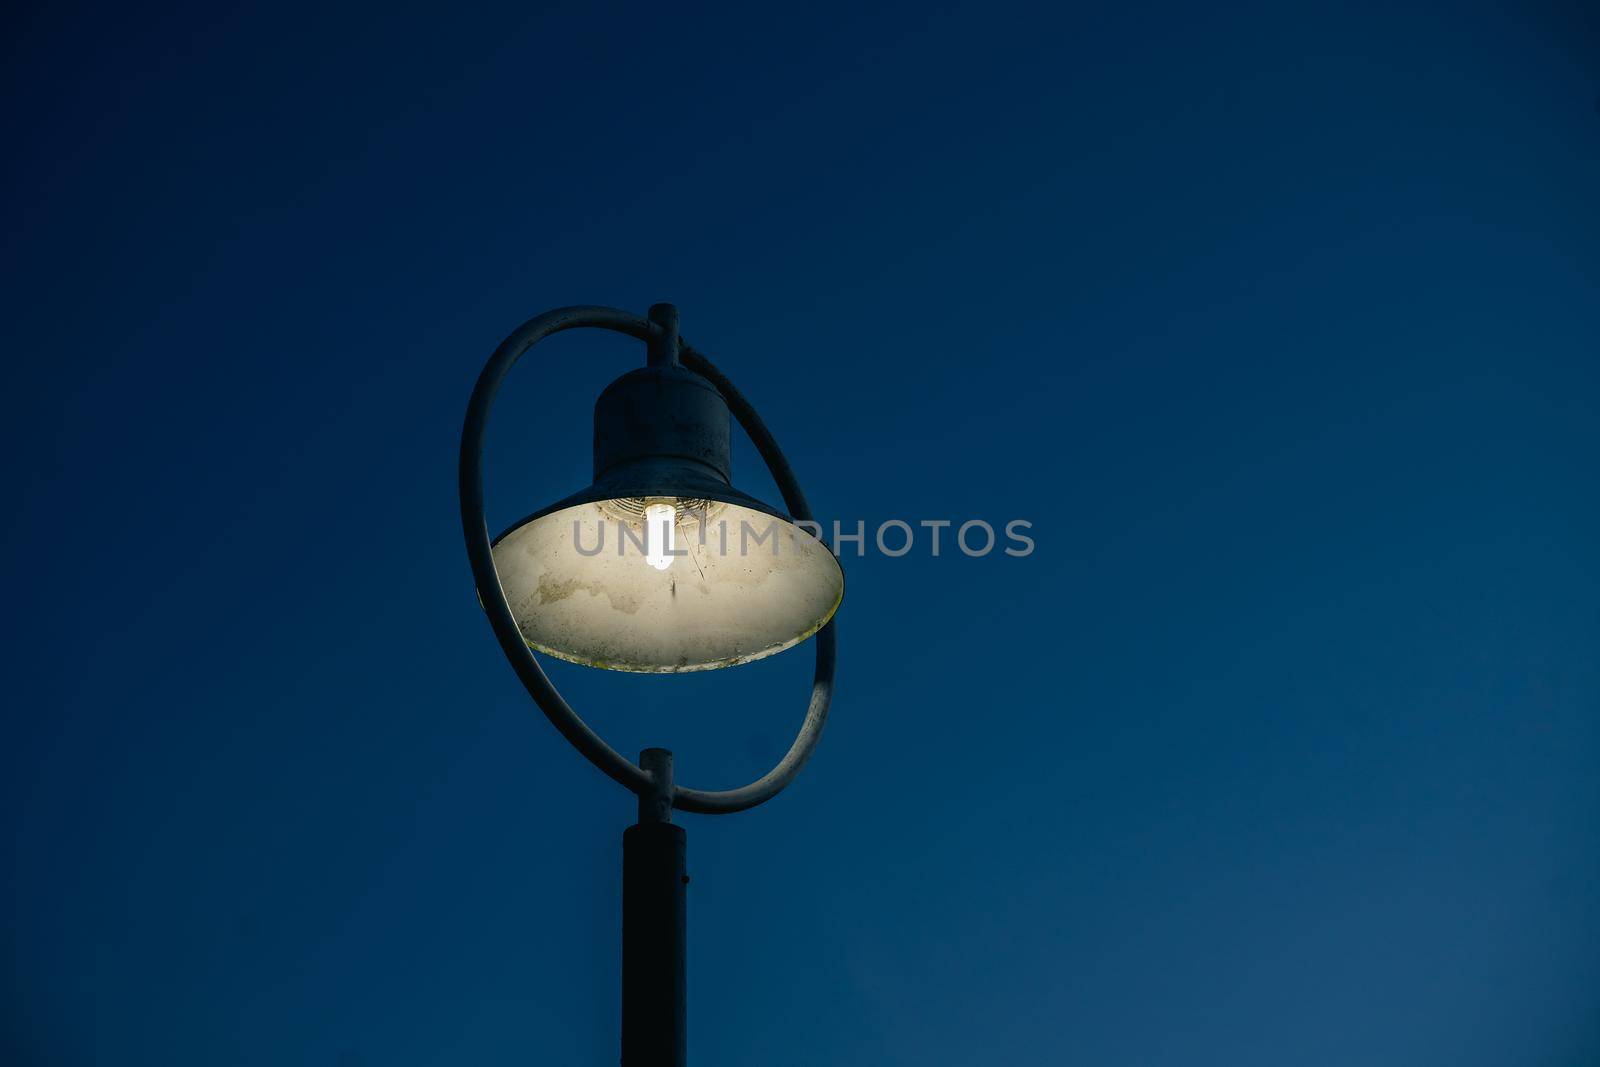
1279	322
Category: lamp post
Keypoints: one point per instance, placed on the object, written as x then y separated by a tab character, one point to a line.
689	597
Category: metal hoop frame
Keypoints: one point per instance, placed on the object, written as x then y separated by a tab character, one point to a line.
479	551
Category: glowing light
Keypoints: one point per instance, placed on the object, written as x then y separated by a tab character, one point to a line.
661	535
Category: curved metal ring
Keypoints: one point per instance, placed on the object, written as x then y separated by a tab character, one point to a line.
480	554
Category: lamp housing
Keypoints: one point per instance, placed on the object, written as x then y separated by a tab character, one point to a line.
741	581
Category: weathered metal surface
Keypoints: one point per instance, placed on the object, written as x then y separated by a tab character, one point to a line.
746	586
663	415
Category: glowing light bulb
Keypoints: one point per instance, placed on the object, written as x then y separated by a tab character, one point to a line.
661	535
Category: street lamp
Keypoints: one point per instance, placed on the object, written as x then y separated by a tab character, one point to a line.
697	576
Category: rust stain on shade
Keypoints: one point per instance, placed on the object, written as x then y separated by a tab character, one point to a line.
551	590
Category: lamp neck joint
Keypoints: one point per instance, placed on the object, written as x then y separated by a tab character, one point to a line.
655	799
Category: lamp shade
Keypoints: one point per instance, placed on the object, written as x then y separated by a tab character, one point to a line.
661	565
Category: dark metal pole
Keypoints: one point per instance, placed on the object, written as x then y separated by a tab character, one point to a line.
653	920
662	348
